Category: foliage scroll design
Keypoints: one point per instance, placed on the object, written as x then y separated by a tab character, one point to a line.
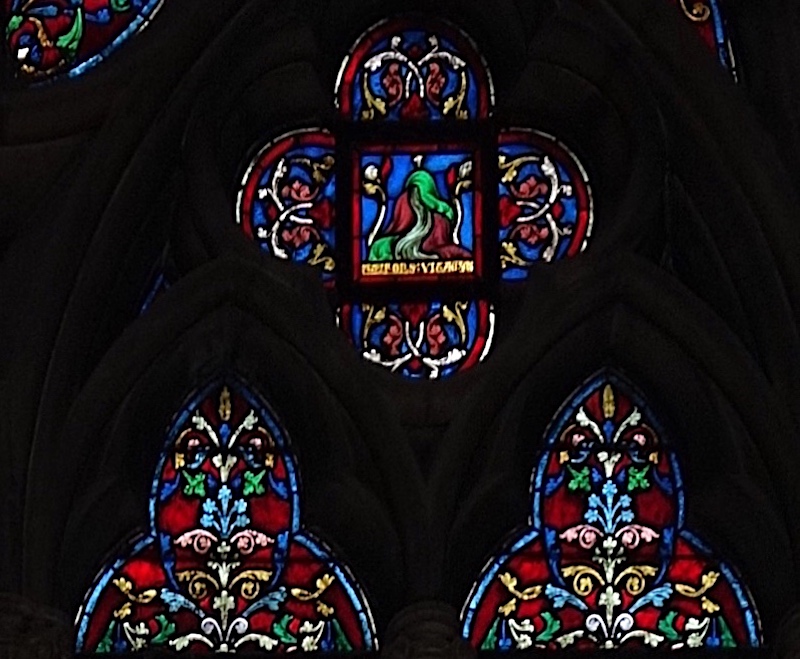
226	565
606	561
405	69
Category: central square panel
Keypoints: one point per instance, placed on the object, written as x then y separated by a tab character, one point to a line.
417	212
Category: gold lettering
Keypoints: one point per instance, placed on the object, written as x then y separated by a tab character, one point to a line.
402	268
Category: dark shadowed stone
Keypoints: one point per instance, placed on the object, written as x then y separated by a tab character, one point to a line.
30	631
787	640
426	630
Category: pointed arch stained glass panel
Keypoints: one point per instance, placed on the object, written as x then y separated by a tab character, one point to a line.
410	69
226	564
607	560
48	38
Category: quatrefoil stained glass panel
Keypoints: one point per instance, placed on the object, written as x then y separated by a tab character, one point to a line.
413	231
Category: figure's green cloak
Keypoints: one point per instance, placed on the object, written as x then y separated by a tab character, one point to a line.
383	248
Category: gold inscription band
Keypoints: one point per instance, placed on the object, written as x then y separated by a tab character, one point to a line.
417	268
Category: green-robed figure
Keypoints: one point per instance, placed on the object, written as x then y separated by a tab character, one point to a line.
421	226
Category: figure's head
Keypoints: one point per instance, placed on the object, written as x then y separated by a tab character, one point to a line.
424	185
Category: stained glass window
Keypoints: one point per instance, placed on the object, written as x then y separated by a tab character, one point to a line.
709	22
606	560
422	242
226	564
48	38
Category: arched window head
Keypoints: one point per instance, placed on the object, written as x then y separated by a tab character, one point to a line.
49	38
416	225
226	564
607	561
411	69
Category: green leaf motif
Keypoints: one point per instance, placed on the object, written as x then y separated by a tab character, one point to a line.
490	642
106	643
637	478
252	483
339	639
120	5
579	480
72	39
281	630
13	23
166	630
725	633
552	625
194	484
666	626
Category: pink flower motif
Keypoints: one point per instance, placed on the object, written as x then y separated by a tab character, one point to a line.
393	85
299	191
246	541
435	336
531	233
633	534
586	535
200	540
577	438
435	83
298	235
529	188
